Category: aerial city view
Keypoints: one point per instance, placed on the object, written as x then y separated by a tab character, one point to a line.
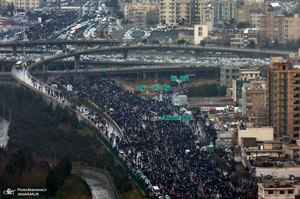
162	99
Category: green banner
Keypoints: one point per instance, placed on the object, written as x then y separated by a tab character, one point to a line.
174	78
184	78
155	87
187	117
167	117
176	117
141	87
165	87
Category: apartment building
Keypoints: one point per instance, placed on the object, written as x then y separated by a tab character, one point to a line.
224	10
254	102
283	96
292	28
28	4
200	33
204	12
229	73
271	27
174	13
255	15
242	38
242	16
140	15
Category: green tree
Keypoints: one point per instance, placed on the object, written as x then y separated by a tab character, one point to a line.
180	42
251	44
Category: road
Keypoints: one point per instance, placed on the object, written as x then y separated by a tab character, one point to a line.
4	124
98	187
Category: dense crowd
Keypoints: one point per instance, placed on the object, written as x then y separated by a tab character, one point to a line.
166	153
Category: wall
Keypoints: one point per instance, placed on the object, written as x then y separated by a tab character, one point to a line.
278	172
261	134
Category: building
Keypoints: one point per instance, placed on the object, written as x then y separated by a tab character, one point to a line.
260	134
229	73
200	33
140	15
283	96
204	12
273	188
174	13
291	28
27	5
242	16
251	74
255	15
187	36
237	87
254	102
224	11
271	27
242	38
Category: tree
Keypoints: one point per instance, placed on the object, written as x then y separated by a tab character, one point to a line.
251	44
240	175
180	42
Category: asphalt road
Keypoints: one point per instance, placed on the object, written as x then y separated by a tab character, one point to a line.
3	132
98	187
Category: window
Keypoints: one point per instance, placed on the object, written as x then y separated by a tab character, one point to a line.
290	191
270	192
281	192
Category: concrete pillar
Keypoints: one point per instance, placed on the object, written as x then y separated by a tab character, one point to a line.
144	75
125	54
77	62
14	50
45	67
2	68
156	77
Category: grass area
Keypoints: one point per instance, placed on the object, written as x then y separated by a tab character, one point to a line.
73	188
136	193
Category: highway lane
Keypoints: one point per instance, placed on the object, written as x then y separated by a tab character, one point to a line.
98	187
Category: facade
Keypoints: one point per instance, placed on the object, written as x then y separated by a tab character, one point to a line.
237	86
140	15
204	12
26	5
255	15
273	189
260	134
244	37
229	73
255	103
186	36
224	10
291	28
283	90
176	13
250	74
242	16
200	33
271	27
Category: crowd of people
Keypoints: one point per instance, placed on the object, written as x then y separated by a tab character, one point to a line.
164	151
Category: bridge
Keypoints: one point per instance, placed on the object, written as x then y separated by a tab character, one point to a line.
197	48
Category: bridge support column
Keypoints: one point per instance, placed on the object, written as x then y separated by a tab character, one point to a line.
45	67
144	75
156	77
14	50
125	54
77	62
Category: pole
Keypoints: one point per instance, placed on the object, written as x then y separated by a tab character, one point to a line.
3	110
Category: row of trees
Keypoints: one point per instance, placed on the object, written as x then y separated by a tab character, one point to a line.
207	90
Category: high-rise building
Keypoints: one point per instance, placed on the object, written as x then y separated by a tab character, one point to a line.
283	97
271	27
28	4
224	10
204	12
174	13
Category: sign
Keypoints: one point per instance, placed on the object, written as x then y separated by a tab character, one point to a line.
165	87
167	117
184	78
69	87
176	117
103	70
155	87
205	108
141	87
187	117
40	19
174	78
